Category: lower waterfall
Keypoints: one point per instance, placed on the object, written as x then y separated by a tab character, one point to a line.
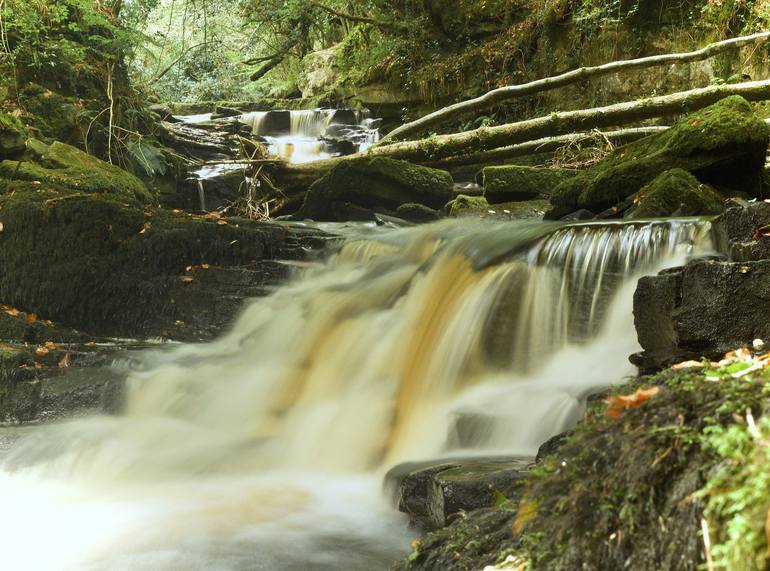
265	449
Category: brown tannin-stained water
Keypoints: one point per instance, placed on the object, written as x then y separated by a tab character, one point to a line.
265	449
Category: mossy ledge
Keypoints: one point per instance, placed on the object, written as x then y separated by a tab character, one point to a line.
105	265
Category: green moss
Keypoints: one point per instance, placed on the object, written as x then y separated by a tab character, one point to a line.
723	145
677	192
515	182
54	115
464	205
71	170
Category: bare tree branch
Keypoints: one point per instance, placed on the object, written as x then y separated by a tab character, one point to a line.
508	93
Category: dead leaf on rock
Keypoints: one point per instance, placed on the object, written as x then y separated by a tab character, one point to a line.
31	318
618	404
41	351
185	279
39	365
222	222
65	362
145	228
51	345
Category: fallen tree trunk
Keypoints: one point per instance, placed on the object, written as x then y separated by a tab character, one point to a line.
440	147
508	93
545	145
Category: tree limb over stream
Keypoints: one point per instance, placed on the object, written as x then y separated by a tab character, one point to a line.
508	93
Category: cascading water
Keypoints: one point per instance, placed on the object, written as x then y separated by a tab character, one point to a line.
261	450
308	135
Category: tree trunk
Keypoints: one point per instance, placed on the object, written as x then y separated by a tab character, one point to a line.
504	94
545	145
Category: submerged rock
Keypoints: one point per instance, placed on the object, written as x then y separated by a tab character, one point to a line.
378	184
723	145
676	193
516	182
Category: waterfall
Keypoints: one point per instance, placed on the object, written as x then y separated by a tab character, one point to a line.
257	451
312	134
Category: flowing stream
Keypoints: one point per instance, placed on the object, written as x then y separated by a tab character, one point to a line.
265	449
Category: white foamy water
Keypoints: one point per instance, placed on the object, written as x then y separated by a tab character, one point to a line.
264	449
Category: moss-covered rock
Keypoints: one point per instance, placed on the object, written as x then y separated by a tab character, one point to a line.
723	145
68	169
477	206
676	193
54	115
12	136
464	205
102	265
417	213
376	184
516	182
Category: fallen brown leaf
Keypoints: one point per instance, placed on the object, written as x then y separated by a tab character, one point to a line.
618	404
185	279
65	362
41	351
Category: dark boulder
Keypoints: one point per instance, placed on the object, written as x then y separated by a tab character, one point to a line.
274	123
516	182
676	193
378	184
723	145
706	308
432	492
343	117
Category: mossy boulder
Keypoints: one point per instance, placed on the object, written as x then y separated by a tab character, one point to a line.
464	205
723	145
477	206
12	136
516	182
375	184
677	193
67	169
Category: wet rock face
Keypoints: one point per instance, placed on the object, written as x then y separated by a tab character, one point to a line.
433	493
724	145
35	388
709	306
705	308
378	185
